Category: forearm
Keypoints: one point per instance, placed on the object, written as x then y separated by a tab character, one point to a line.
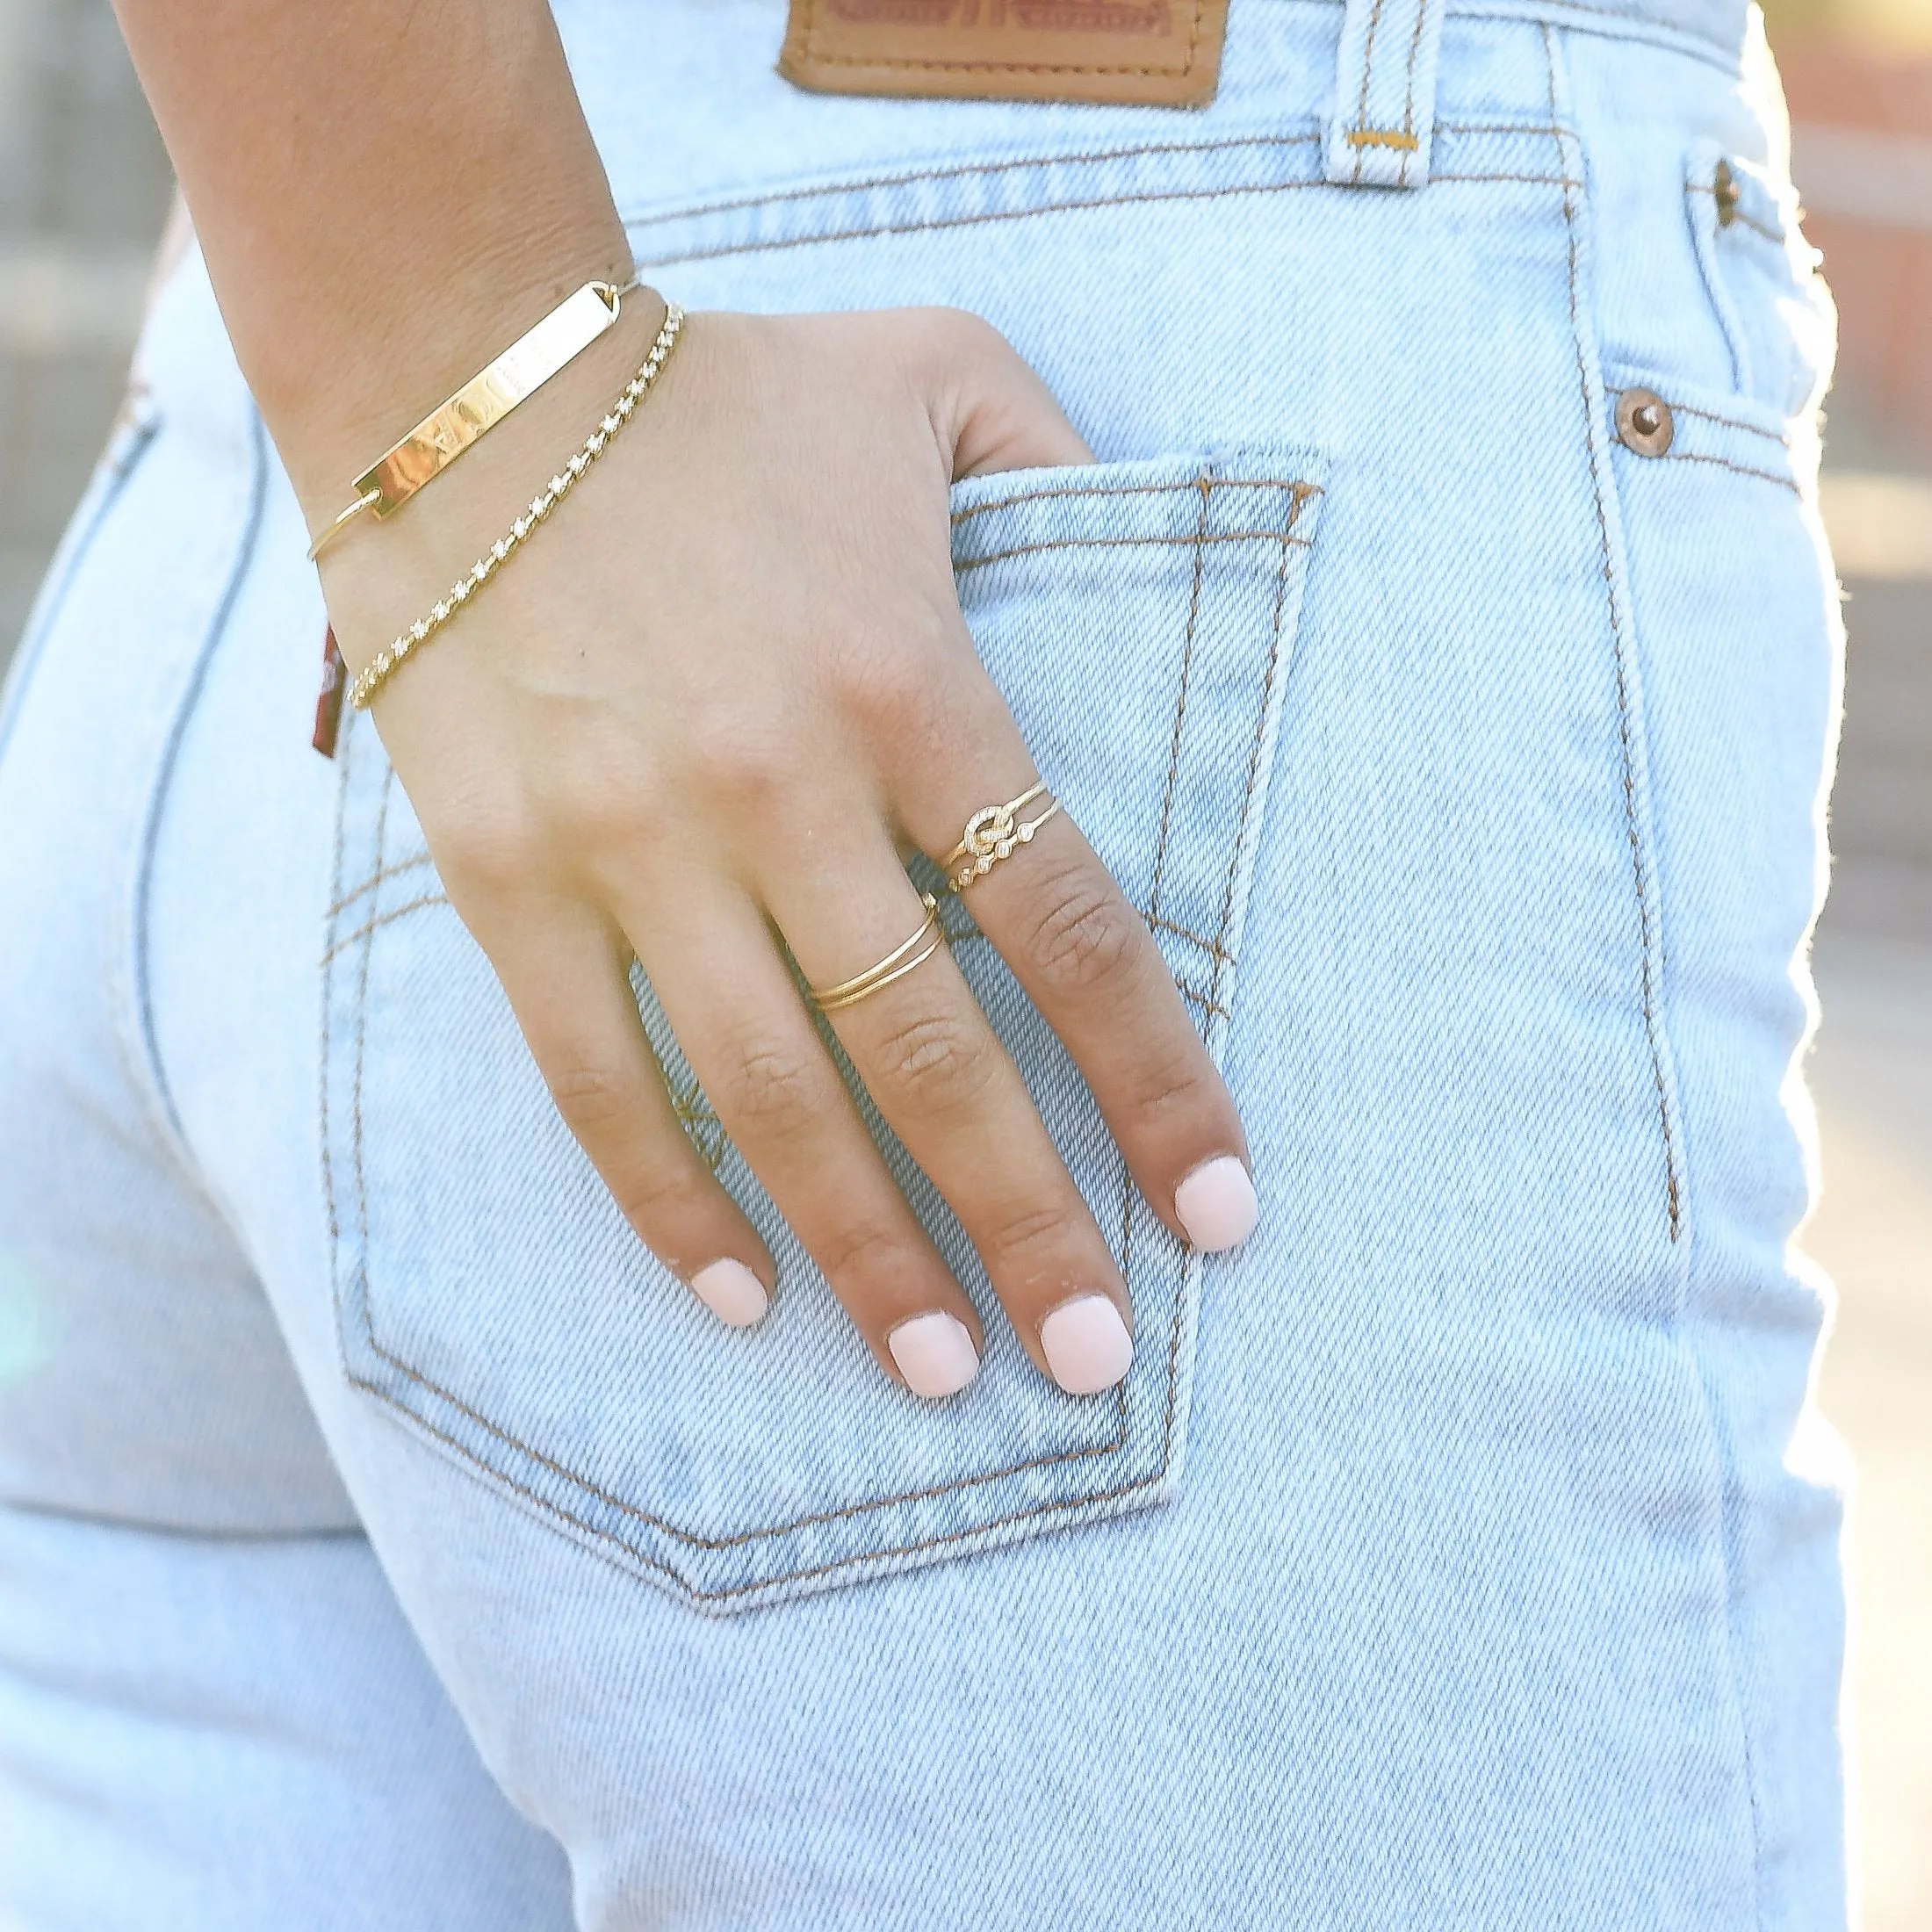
386	197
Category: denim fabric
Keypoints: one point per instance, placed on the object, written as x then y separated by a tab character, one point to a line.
1461	1553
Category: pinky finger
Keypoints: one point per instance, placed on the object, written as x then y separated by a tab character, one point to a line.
567	979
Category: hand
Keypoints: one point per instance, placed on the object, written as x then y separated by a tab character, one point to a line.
715	702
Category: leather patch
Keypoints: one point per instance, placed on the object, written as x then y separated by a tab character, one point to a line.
1145	52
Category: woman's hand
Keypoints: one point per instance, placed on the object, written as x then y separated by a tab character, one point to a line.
722	695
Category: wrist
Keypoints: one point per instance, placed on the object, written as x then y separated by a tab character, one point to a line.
363	384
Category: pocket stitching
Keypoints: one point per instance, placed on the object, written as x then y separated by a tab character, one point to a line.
1299	493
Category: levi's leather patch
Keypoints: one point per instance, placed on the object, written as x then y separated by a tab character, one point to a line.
1146	53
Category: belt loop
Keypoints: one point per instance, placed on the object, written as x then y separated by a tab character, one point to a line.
1385	99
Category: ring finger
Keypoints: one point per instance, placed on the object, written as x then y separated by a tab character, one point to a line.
942	1078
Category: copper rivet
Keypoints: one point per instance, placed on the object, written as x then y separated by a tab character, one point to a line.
1724	190
1644	422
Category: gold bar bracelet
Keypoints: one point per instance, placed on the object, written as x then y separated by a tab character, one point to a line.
480	405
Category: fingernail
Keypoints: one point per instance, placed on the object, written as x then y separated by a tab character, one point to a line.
935	1354
1087	1344
731	1292
1216	1205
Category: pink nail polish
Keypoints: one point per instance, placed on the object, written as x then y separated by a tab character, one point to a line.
1087	1344
1216	1205
935	1354
731	1292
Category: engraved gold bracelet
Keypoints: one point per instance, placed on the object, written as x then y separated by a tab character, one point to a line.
383	666
457	422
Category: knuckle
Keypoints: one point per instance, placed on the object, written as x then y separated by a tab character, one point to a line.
773	1092
862	1253
591	1095
934	1063
1173	1088
1030	1236
657	1196
1086	940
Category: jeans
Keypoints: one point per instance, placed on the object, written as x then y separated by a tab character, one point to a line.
386	1539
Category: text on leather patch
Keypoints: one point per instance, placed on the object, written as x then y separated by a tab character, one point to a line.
1141	53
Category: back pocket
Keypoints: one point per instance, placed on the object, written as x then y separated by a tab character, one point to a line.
1140	619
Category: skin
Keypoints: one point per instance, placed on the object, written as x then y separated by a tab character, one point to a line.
720	698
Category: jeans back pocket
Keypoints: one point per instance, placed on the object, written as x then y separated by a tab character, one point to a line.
1140	619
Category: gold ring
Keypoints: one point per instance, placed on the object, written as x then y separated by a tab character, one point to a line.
896	965
995	832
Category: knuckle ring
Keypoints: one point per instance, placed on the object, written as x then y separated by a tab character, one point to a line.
895	964
995	832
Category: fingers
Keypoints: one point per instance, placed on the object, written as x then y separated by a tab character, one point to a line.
941	1077
567	975
771	1082
1088	962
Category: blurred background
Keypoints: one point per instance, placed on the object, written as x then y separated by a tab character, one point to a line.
83	190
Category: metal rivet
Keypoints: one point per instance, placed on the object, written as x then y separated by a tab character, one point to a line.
1644	422
1725	191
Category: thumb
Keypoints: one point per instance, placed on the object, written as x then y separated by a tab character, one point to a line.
989	409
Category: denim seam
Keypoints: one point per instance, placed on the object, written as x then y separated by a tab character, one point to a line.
1647	939
1739	218
965	170
1408	97
34	643
1725	463
1070	1505
1368	68
1222	960
1683	1242
1048	207
151	1077
1128	543
374	879
1728	423
1131	489
1001	67
1205	485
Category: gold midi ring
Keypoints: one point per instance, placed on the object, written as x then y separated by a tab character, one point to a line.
995	832
896	965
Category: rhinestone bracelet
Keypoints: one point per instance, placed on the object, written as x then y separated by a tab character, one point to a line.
383	666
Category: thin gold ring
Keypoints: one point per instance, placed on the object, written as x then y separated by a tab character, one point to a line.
995	832
895	964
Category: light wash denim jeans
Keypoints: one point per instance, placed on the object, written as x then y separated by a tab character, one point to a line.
389	1542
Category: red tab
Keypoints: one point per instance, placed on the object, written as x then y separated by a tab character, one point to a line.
328	700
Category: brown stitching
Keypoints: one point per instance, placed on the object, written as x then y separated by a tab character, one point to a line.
1130	489
1408	95
1027	214
968	221
1737	214
1646	929
384	918
870	182
1068	1505
1001	67
738	1541
1207	487
1181	932
1254	750
1368	68
361	1011
1725	463
1126	543
1729	423
1194	993
376	879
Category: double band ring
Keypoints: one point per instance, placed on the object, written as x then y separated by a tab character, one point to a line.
895	964
995	832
